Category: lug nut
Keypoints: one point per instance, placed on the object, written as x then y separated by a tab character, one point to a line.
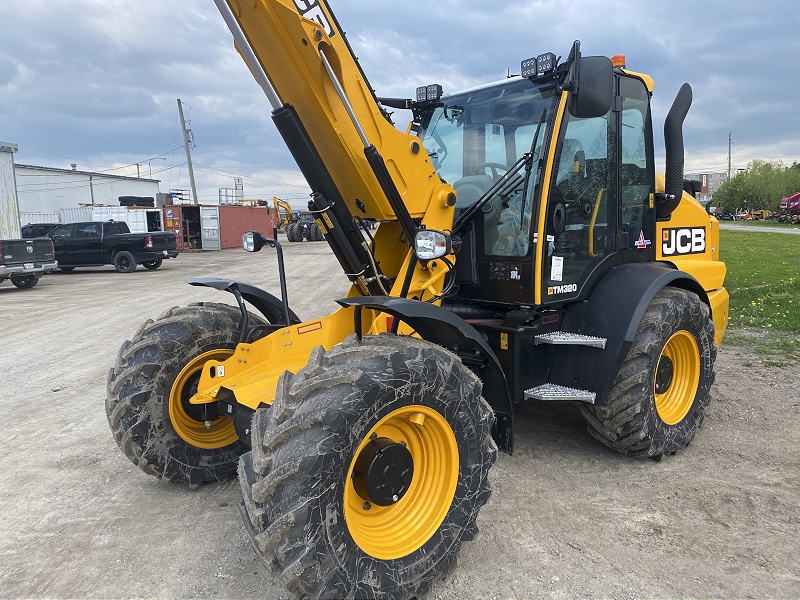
366	506
395	498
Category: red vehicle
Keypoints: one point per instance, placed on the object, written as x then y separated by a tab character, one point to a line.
791	203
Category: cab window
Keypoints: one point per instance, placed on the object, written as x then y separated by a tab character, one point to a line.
62	231
635	163
87	230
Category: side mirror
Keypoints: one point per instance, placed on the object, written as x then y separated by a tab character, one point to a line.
594	80
253	241
430	244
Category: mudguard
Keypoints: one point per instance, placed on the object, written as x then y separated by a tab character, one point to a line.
267	304
450	331
613	311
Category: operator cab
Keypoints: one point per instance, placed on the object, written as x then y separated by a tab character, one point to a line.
586	190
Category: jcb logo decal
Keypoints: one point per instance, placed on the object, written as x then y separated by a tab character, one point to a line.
683	241
562	289
311	9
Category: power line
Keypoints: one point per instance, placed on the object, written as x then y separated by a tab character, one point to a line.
232	123
215	170
245	162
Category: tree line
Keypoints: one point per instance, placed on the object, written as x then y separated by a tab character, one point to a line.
762	185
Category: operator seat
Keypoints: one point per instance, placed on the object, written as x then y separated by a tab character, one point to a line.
469	189
566	165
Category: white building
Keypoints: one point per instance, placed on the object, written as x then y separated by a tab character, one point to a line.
43	191
710	182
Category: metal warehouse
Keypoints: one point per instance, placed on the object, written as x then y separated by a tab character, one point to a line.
43	191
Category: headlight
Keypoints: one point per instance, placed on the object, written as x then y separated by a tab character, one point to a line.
430	244
252	241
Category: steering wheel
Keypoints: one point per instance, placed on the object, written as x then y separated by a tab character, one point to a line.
479	169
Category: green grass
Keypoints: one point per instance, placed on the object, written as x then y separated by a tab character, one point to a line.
763	281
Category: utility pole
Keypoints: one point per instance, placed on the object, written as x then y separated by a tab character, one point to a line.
730	143
188	154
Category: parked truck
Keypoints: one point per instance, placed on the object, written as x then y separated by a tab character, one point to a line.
25	261
93	244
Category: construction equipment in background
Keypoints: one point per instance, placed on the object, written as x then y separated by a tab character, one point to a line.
789	209
527	250
283	211
305	228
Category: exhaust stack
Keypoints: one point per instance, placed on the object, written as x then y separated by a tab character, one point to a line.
673	141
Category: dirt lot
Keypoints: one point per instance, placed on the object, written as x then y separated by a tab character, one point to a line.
567	519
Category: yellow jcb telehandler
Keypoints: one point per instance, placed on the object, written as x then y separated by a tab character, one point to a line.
527	249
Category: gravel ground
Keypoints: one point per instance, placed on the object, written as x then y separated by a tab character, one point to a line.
567	519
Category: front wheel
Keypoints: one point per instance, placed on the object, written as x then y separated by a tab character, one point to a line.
368	471
153	264
664	386
149	388
25	283
124	262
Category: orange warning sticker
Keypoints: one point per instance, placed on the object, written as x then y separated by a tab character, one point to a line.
309	327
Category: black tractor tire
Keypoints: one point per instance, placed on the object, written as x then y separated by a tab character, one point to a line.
124	262
296	483
319	237
140	386
25	283
66	269
292	232
153	264
630	421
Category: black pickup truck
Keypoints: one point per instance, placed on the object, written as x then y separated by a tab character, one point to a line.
94	244
25	261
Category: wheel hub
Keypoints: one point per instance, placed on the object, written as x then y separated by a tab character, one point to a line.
664	373
383	471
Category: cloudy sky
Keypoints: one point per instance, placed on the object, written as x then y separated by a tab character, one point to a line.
95	82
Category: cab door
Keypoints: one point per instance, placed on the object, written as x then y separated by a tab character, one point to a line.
63	237
599	212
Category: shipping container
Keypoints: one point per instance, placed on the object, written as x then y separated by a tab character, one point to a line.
26	218
215	227
234	221
76	215
139	220
173	221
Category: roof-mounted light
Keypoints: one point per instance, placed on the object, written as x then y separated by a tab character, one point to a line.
618	60
429	93
541	65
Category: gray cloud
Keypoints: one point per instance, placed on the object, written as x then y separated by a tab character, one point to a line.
95	83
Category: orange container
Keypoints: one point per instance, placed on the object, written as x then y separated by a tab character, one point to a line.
234	221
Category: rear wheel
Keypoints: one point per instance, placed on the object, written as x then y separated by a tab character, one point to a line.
25	283
664	386
124	262
368	471
293	233
156	374
153	264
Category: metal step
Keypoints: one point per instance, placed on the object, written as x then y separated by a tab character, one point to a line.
566	338
551	391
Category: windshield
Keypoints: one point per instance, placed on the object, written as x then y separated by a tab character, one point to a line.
476	137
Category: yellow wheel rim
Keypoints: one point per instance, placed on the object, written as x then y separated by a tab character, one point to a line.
674	402
390	532
221	433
